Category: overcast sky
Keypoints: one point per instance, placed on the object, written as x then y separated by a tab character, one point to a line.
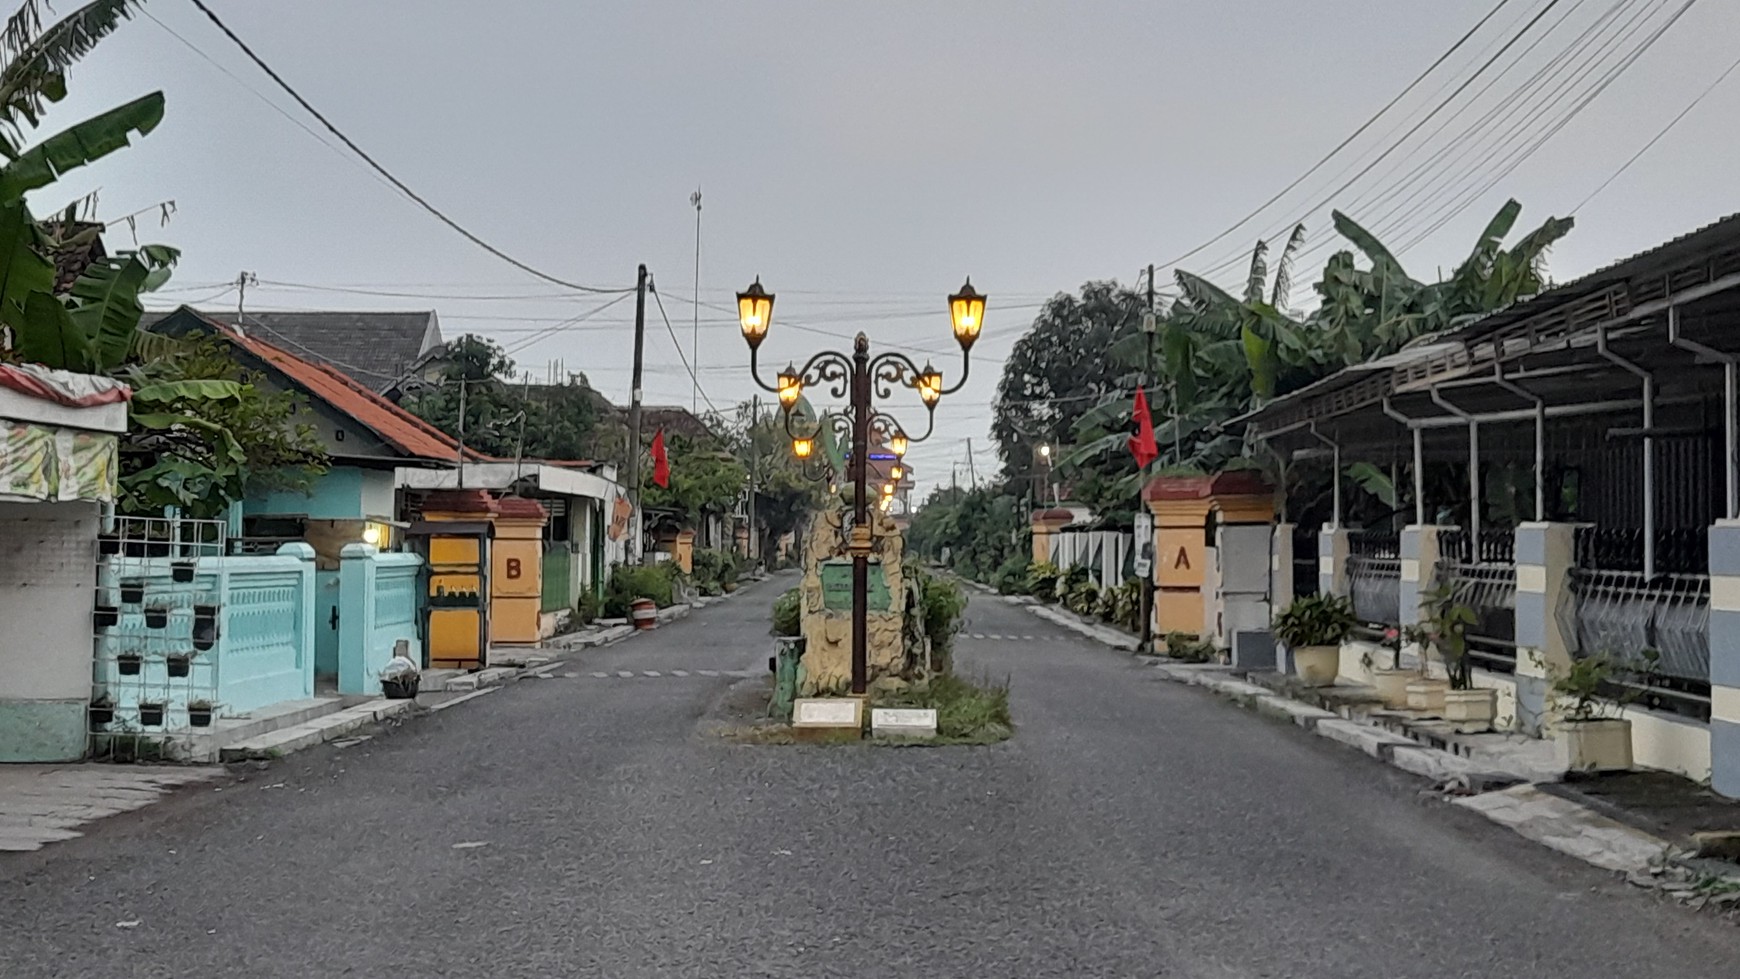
863	158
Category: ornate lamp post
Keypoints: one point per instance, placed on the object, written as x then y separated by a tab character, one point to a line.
859	377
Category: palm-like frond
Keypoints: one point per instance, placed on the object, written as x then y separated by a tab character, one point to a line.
37	58
1487	246
1259	275
1365	241
1284	269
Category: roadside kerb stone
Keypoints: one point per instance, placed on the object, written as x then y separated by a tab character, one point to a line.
1098	633
1304	715
1375	742
1569	828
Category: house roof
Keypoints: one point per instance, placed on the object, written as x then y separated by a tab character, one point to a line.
373	348
395	426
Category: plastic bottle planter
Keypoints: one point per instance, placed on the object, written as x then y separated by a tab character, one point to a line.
129	664
157	617
132	592
205	627
199	714
104	616
151	715
181	571
102	712
180	664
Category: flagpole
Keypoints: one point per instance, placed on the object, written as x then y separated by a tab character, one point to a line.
1145	642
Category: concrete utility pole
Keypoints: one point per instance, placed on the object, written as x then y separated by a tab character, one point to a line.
695	336
243	281
634	417
754	465
972	470
1146	640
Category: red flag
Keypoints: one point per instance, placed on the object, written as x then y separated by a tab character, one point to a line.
1142	444
662	462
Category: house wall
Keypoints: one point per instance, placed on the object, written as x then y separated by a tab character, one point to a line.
47	568
343	493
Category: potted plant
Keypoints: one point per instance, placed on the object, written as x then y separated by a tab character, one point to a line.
181	571
1590	737
132	592
129	663
1391	683
205	627
151	713
156	616
1313	629
1468	708
180	664
102	711
199	713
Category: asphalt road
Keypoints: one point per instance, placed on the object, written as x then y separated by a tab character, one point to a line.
1131	828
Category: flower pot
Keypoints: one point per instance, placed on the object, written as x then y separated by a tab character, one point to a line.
156	618
401	688
1470	711
1600	744
132	592
729	587
129	664
199	717
180	665
205	627
1392	686
181	571
101	715
104	616
151	715
1427	694
644	613
1317	665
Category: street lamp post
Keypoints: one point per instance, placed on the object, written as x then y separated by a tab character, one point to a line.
860	378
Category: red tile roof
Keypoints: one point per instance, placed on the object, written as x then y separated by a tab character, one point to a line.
399	428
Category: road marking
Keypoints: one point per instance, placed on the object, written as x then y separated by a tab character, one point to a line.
1027	638
624	674
649	673
709	672
679	673
978	635
602	676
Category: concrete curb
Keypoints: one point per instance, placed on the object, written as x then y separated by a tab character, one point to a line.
1101	634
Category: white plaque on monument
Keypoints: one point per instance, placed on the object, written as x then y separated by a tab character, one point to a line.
903	722
826	712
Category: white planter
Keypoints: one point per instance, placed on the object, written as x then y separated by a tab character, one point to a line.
1600	745
1470	711
1317	665
1392	686
1427	694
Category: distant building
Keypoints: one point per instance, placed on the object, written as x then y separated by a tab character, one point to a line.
379	350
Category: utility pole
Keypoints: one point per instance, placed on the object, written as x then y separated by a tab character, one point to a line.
459	458
972	470
695	337
243	280
1145	642
754	464
634	417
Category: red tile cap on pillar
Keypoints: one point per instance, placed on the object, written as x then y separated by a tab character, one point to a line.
521	507
460	501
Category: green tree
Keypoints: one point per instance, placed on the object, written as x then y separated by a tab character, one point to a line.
704	477
505	419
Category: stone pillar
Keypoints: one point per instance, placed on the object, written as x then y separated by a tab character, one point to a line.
1332	561
1045	524
1241	582
356	620
1180	553
1280	566
1419	554
1725	657
1544	557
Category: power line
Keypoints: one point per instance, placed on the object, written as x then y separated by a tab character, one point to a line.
1658	136
384	172
557	328
652	287
1344	143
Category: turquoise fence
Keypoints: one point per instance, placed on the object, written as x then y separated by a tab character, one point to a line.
380	604
238	634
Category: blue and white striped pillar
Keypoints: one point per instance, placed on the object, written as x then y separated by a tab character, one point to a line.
1544	556
1419	554
1725	657
1332	561
1281	566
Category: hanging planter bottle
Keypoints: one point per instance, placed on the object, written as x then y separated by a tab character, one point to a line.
205	627
157	617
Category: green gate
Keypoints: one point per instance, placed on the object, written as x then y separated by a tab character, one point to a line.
558	571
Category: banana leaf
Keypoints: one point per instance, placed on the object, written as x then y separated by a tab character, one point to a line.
84	143
48	335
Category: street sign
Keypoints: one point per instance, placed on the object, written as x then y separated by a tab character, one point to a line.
1144	534
837	587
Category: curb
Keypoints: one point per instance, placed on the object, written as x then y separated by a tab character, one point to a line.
1101	634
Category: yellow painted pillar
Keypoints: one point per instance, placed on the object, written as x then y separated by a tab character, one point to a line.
458	579
1180	509
1045	523
517	570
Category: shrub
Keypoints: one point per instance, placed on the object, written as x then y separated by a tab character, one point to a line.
1042	580
588	607
1189	647
1127	604
1011	577
1080	597
628	582
1317	620
788	614
942	603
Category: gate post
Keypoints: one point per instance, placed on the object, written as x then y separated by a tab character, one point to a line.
1544	558
1725	657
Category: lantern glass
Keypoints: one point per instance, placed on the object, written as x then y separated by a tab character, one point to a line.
930	386
791	387
897	445
802	447
895	473
967	314
755	312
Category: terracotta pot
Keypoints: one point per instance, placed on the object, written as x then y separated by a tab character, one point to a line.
1596	745
644	613
1317	665
1392	686
1471	711
1427	694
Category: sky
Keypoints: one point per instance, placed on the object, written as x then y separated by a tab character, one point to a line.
864	158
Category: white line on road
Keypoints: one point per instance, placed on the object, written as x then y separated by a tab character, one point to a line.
624	674
709	672
679	673
649	673
602	676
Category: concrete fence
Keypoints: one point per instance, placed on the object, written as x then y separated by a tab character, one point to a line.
380	601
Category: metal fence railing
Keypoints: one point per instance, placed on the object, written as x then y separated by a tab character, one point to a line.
1374	577
1481	571
1620	614
1305	566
